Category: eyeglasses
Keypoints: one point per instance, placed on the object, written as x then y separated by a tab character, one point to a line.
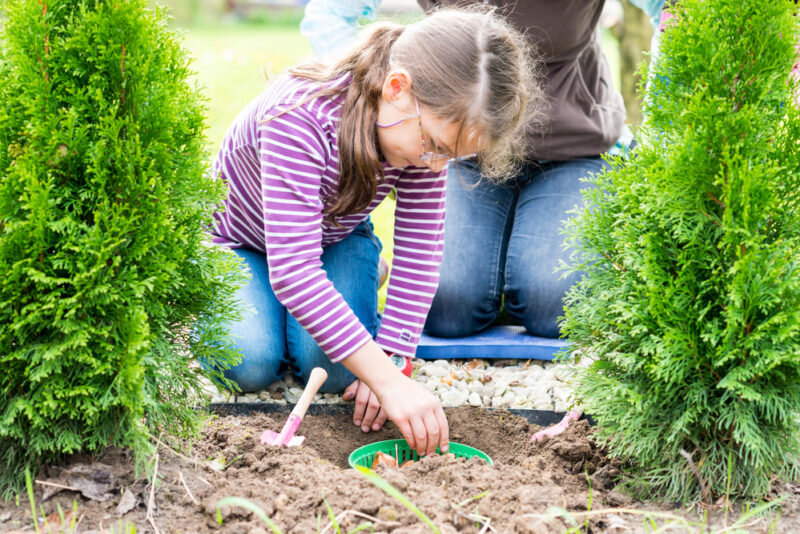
426	156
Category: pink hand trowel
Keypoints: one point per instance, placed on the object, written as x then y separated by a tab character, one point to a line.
286	437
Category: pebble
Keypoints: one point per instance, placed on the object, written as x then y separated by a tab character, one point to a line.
454	397
293	395
474	399
563	373
435	370
531	384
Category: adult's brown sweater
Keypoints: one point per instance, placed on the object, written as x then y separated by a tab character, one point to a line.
584	114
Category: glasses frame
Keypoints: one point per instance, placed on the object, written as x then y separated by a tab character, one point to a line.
427	156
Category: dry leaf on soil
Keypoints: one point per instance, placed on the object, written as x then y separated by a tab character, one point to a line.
94	481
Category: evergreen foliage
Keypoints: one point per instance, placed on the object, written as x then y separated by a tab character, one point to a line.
691	299
109	294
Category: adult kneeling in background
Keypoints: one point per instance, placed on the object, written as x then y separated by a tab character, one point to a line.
503	242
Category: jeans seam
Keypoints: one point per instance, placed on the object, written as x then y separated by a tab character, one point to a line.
498	289
530	173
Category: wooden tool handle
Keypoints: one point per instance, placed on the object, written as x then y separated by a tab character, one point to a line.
315	380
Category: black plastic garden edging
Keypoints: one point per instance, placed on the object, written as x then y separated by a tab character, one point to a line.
536	417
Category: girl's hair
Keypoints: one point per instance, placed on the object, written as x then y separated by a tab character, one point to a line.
468	66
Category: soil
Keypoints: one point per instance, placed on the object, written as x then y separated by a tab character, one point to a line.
293	485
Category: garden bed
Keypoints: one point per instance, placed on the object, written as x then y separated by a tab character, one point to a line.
293	485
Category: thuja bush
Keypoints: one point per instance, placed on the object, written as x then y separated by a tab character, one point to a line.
109	296
691	300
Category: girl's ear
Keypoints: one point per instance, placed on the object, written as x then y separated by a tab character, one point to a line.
397	87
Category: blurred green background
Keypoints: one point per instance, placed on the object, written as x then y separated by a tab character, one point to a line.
236	50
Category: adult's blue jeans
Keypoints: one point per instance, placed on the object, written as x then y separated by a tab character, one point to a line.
506	240
272	341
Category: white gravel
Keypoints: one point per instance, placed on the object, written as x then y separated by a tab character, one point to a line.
532	384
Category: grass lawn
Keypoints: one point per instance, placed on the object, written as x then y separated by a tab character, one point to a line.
232	62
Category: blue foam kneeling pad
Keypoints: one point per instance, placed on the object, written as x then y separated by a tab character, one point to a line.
497	342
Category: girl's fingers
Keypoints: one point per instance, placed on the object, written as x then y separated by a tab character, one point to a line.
380	420
420	435
444	430
432	428
373	407
362	398
405	429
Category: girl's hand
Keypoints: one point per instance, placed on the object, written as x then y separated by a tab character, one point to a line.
417	413
367	413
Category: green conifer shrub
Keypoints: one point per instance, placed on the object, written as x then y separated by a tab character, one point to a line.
109	293
691	299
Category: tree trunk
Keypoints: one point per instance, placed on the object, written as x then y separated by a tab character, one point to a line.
634	36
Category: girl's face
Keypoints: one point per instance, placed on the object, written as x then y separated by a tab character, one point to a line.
410	134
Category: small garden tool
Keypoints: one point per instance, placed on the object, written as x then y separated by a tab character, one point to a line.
286	436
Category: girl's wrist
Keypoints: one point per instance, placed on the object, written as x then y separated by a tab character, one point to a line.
403	363
370	365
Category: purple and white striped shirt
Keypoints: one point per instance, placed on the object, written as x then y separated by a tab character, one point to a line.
282	174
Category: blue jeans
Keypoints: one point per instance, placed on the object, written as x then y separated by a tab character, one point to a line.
272	341
506	241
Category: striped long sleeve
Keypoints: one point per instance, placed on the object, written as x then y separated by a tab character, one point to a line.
418	245
294	156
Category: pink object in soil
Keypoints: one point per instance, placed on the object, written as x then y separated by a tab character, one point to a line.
287	435
559	427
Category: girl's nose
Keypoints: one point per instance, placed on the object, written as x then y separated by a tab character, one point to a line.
437	165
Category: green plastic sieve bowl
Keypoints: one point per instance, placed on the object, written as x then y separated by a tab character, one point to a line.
363	456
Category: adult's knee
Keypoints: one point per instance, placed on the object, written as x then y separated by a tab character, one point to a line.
539	304
460	310
542	322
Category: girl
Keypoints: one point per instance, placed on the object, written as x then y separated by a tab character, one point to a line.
313	155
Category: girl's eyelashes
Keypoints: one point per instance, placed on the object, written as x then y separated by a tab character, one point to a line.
436	147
